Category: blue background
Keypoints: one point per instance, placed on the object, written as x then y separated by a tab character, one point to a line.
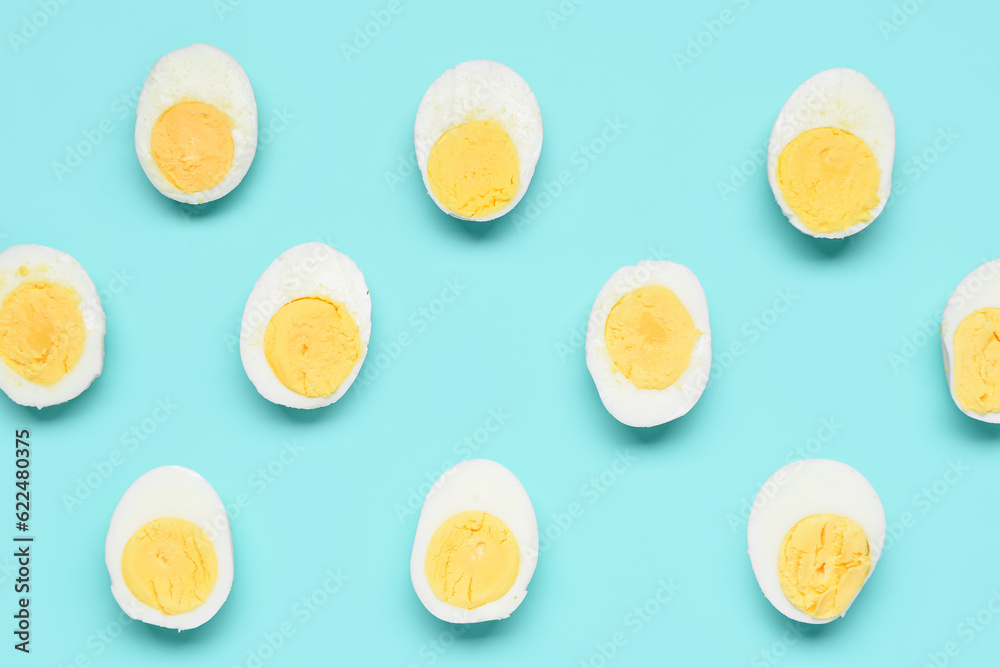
334	166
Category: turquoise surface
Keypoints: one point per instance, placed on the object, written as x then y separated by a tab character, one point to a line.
650	149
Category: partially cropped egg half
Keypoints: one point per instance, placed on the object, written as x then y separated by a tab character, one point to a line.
196	124
476	546
478	135
51	326
649	344
306	327
169	549
815	533
970	338
829	159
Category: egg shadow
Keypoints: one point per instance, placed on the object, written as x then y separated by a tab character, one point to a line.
86	401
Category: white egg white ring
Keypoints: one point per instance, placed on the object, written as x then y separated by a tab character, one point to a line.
839	98
647	407
480	90
199	73
979	290
476	484
796	491
309	270
170	491
55	266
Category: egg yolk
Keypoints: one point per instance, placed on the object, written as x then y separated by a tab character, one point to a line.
649	336
823	562
170	565
977	361
472	560
192	144
312	345
42	333
473	169
829	179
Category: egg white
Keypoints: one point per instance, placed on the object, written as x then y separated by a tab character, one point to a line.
484	485
200	73
170	491
649	407
57	267
309	270
480	90
796	491
979	290
844	99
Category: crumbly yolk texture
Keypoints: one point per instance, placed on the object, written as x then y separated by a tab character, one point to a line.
170	564
192	144
829	178
312	345
472	560
473	169
823	562
977	361
650	335
42	334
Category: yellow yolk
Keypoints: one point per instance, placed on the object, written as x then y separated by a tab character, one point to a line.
829	179
312	345
473	169
170	565
192	144
650	335
977	361
822	564
42	334
472	560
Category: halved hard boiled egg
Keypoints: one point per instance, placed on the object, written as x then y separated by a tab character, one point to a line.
476	546
970	338
306	327
52	326
196	124
815	532
169	549
478	135
649	344
829	159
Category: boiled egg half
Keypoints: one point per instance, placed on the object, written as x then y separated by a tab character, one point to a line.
970	338
306	327
196	124
52	326
829	159
476	546
478	135
815	532
649	344
169	549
